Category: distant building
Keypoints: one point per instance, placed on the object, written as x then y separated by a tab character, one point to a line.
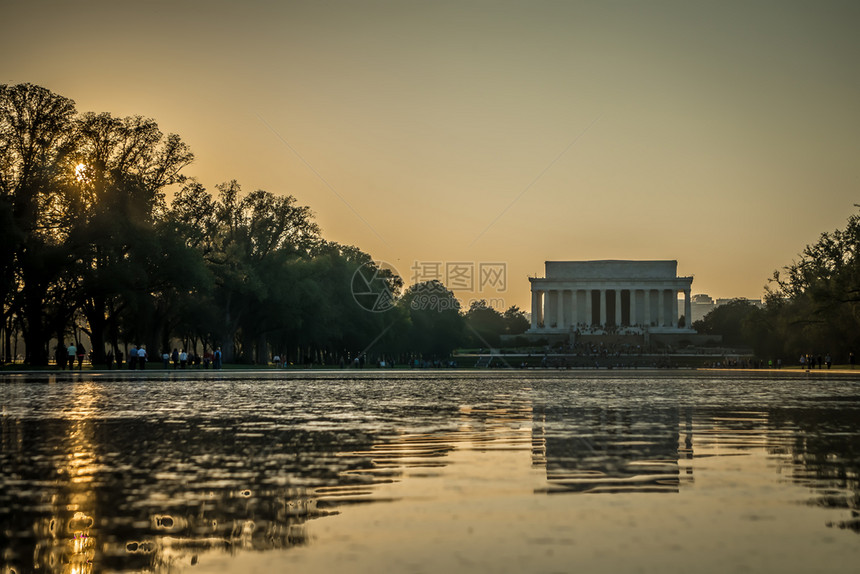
703	304
755	302
597	295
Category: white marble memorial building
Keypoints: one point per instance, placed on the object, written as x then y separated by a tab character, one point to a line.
603	296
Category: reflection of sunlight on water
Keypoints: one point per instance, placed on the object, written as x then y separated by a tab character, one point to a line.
71	541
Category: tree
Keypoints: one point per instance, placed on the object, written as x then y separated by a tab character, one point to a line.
484	325
732	321
815	301
251	244
436	323
130	262
36	141
516	322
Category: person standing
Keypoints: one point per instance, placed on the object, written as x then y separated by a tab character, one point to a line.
132	358
72	356
82	352
217	361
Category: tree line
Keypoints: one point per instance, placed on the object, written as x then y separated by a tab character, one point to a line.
105	237
811	307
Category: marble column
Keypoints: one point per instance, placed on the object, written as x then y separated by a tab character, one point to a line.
588	310
618	315
535	308
633	307
567	296
547	312
560	309
646	296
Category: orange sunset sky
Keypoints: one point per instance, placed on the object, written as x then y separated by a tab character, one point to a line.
725	135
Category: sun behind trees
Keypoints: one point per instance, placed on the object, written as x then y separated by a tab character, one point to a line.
91	246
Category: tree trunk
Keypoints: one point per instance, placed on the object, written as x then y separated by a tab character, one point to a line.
262	350
7	343
228	335
95	314
35	334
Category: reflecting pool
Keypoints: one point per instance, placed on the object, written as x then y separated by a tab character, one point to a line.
429	471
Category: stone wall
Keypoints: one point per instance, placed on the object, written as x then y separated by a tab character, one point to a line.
611	269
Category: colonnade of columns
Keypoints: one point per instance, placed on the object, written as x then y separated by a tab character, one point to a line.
565	308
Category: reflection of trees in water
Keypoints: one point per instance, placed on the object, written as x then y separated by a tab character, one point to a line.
143	495
593	449
818	448
824	454
80	493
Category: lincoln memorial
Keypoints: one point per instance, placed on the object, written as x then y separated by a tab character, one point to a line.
603	296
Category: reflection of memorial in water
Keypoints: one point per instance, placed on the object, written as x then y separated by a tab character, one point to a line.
594	449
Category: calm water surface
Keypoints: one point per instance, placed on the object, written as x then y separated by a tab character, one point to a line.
429	472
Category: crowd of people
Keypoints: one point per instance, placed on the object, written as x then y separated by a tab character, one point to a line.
745	363
71	355
600	349
138	357
809	361
606	362
361	361
586	329
181	359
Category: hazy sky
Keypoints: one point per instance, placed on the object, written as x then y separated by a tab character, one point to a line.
725	135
